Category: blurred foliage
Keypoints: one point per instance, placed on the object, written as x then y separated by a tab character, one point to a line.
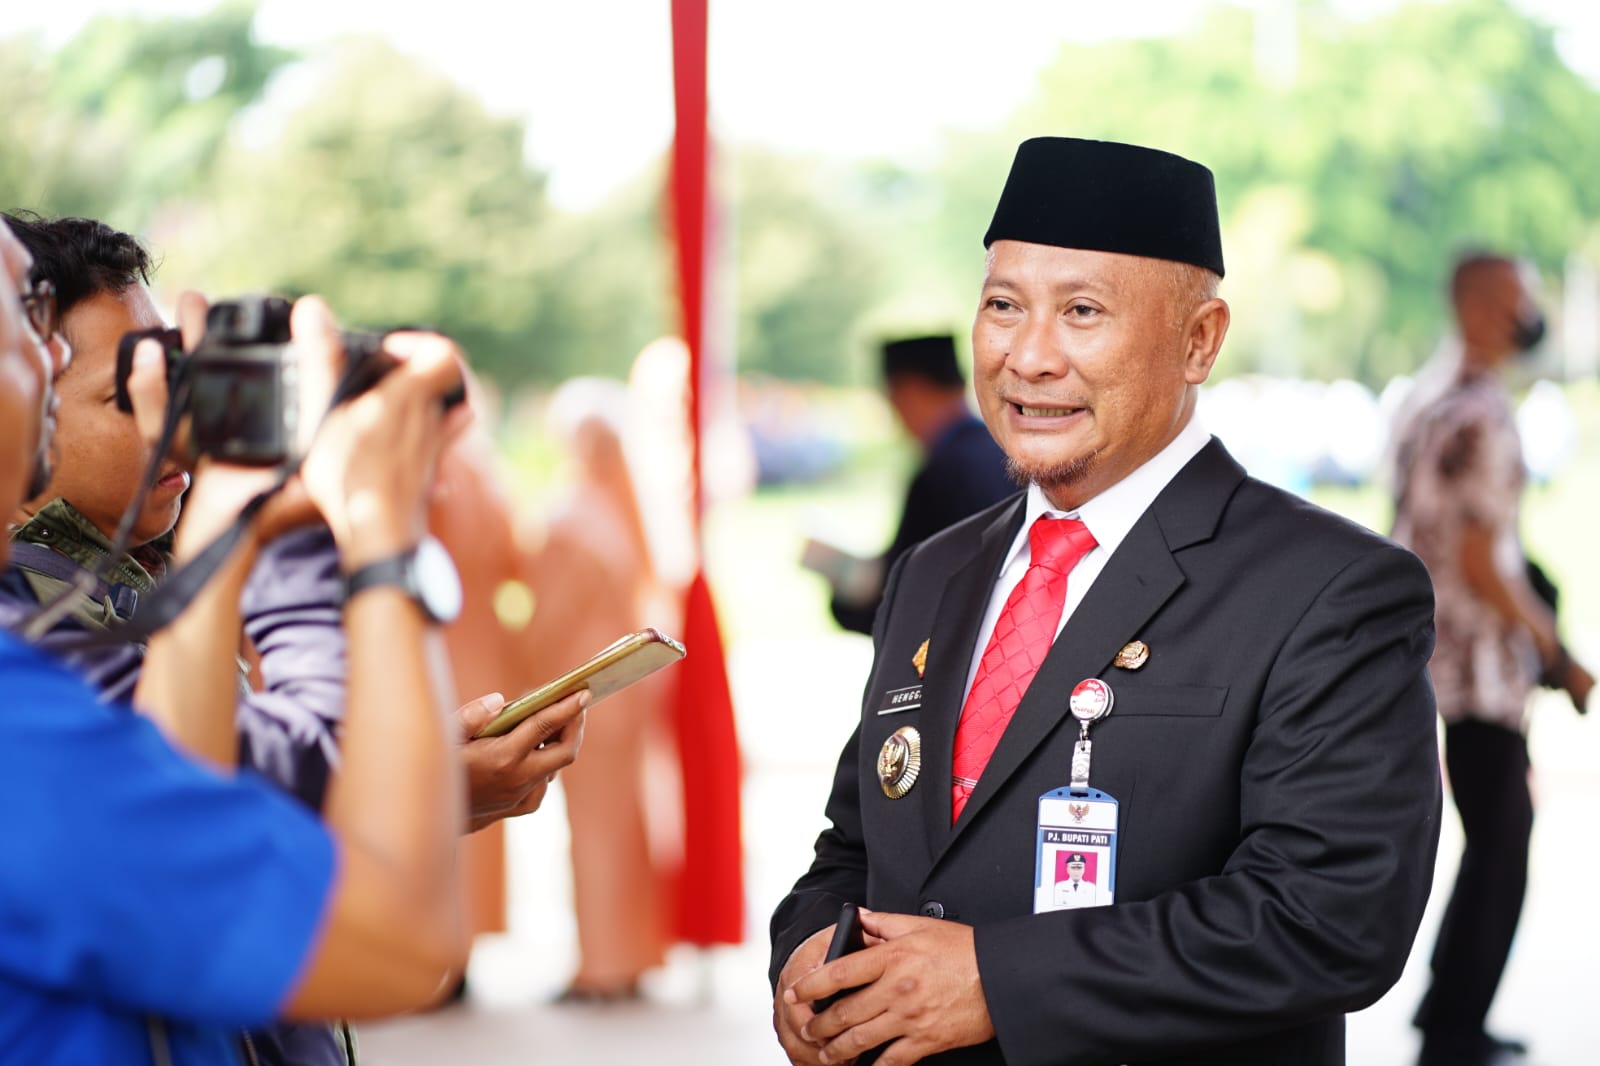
164	93
128	114
1353	158
805	273
44	158
395	194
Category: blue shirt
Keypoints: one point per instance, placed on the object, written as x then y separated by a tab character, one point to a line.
292	614
135	883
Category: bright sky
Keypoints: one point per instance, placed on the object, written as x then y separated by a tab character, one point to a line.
592	78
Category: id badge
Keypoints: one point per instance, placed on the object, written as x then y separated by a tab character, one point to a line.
1076	858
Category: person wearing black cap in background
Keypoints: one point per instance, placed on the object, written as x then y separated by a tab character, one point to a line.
1244	674
962	472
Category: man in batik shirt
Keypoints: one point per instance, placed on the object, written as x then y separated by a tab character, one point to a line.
1460	481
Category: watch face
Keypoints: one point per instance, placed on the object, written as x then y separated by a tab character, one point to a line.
438	583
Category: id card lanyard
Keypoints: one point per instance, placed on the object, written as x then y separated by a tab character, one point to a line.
1075	863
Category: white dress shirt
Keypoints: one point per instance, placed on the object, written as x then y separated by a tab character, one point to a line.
1109	516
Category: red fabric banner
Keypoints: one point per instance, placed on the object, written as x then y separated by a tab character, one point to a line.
709	898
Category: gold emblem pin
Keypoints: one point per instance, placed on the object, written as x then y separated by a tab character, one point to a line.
1133	655
900	761
920	660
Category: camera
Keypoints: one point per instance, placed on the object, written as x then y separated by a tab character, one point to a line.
241	380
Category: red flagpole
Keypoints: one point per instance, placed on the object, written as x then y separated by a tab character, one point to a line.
709	901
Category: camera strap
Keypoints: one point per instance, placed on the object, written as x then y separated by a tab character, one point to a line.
88	579
172	595
158	609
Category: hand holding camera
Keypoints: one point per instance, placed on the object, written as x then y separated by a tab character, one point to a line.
366	464
372	464
147	371
247	383
235	373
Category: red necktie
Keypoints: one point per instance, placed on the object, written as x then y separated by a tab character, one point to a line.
1022	637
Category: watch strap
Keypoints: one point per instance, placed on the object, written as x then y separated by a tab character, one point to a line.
395	570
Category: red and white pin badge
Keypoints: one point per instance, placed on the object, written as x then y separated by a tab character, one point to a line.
1091	700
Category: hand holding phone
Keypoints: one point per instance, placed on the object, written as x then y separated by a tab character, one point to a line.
847	937
509	776
854	579
633	658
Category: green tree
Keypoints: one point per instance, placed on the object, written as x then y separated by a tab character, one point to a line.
163	93
1347	179
45	160
128	114
806	273
606	283
396	195
1452	125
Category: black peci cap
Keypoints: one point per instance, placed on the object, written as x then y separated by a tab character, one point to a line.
1110	197
932	358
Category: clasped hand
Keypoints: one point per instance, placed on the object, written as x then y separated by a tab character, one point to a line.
919	993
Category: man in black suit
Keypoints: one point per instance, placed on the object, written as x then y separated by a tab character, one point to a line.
1242	673
963	470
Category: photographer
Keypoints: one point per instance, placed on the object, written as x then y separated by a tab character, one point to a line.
291	603
140	887
66	526
288	731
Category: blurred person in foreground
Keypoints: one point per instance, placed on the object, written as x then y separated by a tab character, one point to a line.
1247	671
471	516
1459	480
156	900
962	472
291	604
593	581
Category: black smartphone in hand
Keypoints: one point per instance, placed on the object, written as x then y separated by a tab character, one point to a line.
847	937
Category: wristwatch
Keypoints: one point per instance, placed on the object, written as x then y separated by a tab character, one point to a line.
426	573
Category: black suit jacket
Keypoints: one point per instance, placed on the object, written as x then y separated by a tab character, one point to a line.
965	471
1275	761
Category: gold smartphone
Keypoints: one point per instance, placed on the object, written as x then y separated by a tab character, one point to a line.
615	667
